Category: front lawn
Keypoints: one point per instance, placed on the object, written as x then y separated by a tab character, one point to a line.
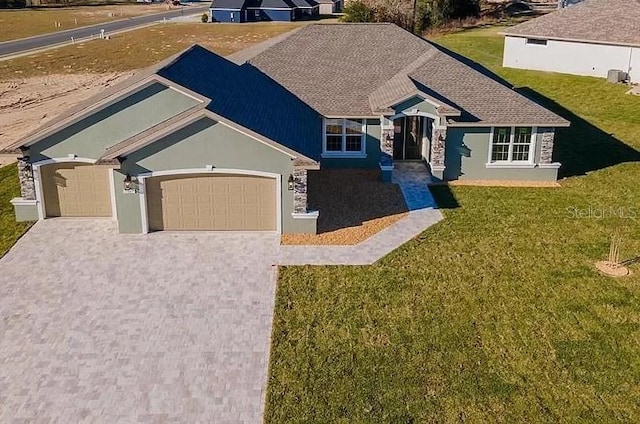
496	314
10	230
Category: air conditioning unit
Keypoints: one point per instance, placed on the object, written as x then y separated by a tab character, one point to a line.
615	76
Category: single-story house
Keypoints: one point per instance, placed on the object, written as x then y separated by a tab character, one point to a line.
202	142
329	7
263	10
589	38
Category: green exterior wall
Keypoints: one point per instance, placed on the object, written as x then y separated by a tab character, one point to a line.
91	136
197	145
416	103
467	153
372	159
26	212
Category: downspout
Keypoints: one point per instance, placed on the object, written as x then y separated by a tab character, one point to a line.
630	62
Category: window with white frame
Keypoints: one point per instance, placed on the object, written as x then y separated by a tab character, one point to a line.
512	144
344	136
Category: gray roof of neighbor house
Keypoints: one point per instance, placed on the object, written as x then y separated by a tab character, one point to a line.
601	21
360	69
227	4
262	4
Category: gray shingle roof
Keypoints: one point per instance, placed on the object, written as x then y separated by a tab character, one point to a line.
358	69
603	21
246	96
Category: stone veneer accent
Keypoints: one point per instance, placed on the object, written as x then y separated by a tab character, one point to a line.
299	190
386	141
27	185
437	146
546	145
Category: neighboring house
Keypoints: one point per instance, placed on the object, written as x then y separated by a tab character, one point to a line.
589	38
263	10
202	142
328	7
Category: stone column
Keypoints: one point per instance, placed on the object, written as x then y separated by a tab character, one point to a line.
386	140
546	145
25	174
438	147
299	190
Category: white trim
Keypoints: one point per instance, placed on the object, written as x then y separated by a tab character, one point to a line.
143	194
554	165
509	163
19	201
221	8
112	189
37	178
271	8
305	215
184	93
455	124
506	165
415	112
343	153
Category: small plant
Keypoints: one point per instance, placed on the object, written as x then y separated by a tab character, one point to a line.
612	266
204	18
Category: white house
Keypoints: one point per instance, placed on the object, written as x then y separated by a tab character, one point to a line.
589	38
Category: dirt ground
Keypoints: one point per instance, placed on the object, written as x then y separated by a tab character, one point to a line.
25	104
353	205
21	23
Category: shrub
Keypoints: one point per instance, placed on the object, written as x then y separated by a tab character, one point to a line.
357	11
204	18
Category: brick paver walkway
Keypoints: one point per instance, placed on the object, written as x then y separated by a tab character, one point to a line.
107	328
423	213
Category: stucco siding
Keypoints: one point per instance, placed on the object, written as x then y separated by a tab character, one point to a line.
91	136
467	154
372	149
203	143
571	57
416	103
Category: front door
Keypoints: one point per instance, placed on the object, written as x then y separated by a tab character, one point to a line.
407	141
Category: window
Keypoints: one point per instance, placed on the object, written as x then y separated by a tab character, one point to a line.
512	144
344	137
536	41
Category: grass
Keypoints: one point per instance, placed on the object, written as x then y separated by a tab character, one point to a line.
9	188
496	314
20	23
140	48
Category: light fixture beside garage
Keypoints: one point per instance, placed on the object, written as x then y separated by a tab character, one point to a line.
290	182
130	184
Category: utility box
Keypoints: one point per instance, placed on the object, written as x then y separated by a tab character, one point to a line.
615	76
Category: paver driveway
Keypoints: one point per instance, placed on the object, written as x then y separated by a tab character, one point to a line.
102	327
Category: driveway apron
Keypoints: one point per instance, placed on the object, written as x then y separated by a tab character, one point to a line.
167	327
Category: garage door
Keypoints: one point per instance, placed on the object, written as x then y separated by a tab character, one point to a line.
211	202
72	189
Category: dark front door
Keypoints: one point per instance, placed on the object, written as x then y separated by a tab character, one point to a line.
407	141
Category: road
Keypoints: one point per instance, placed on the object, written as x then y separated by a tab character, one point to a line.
48	40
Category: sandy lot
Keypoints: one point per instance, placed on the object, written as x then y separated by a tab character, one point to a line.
28	103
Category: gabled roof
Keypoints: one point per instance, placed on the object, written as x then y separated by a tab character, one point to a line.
361	69
244	95
597	21
262	4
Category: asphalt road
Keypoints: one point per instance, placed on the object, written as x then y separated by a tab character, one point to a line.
48	40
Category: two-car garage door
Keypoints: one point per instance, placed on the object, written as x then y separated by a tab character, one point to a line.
211	202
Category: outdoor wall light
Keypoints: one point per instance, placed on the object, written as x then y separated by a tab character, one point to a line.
130	184
290	182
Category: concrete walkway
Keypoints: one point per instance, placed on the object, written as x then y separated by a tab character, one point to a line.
423	213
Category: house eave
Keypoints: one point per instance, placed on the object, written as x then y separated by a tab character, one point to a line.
571	40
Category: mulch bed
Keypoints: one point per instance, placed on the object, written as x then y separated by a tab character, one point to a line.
353	205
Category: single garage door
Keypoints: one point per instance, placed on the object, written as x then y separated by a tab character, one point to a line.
211	202
72	189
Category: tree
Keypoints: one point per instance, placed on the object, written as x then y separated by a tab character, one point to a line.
357	11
